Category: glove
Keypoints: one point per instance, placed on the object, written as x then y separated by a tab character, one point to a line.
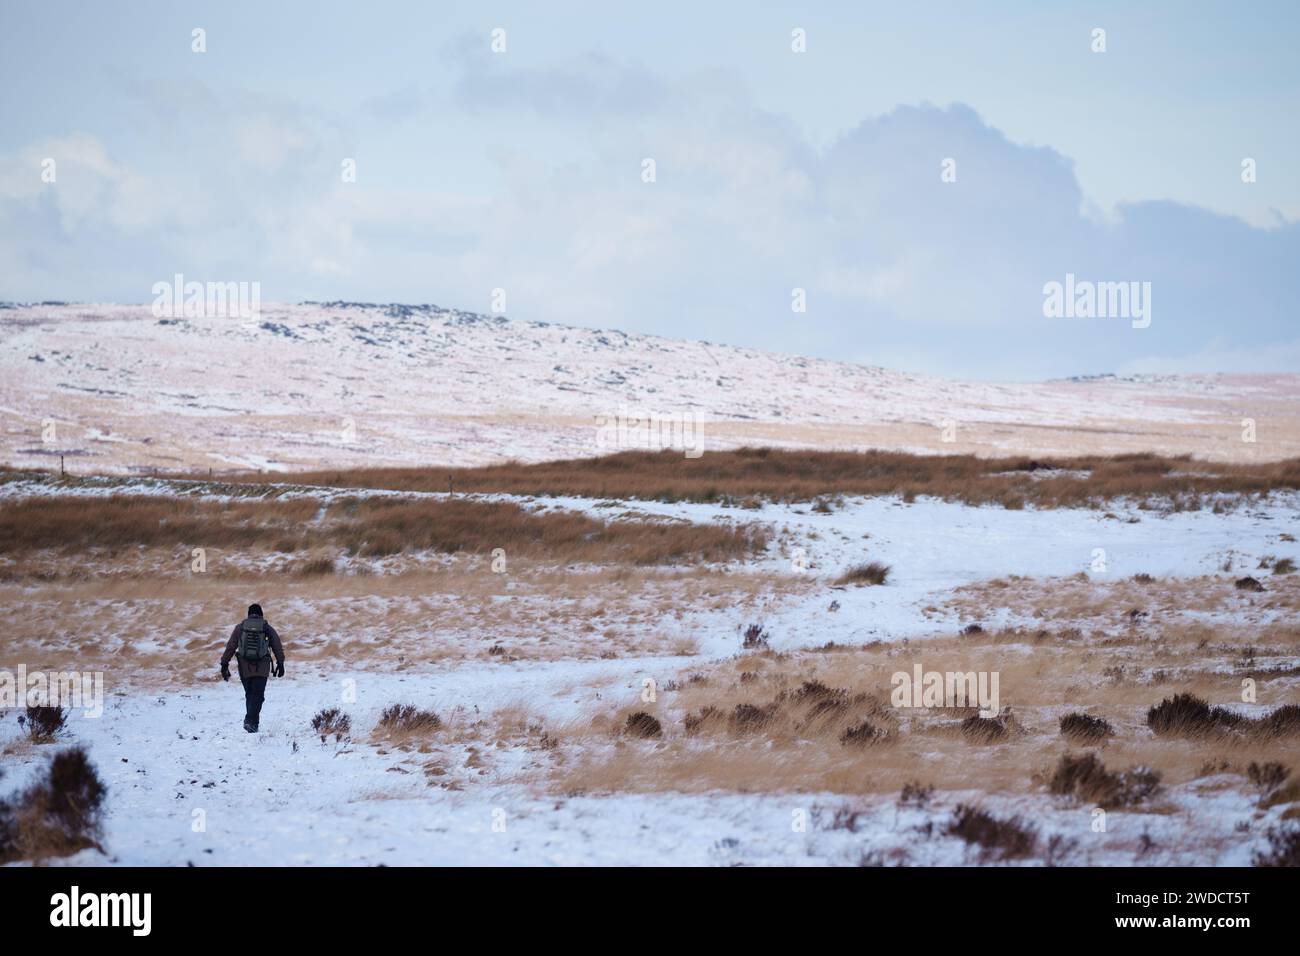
279	669
225	672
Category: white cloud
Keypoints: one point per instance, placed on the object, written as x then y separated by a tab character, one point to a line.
895	261
267	143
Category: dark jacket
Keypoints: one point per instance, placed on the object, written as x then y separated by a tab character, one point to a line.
247	668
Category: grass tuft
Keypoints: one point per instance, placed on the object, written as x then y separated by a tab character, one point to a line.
407	719
1084	728
998	839
56	816
870	573
43	724
331	722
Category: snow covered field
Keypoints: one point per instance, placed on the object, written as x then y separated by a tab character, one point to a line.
508	779
115	389
263	803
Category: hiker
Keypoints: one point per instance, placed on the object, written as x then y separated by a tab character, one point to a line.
253	641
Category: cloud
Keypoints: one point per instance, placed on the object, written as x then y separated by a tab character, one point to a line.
268	145
83	183
895	261
590	87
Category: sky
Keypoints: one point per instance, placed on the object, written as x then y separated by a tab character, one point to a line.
900	192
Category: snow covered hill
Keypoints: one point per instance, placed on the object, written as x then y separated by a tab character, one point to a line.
116	389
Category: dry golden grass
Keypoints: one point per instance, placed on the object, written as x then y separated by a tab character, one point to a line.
1083	601
55	815
804	475
463	745
463	611
869	573
784	741
124	521
374	527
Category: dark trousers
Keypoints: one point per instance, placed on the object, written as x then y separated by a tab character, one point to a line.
254	693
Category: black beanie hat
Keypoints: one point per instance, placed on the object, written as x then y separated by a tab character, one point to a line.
254	610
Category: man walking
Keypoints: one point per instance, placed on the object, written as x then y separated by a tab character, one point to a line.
253	641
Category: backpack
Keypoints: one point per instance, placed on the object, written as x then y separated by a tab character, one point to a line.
253	645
